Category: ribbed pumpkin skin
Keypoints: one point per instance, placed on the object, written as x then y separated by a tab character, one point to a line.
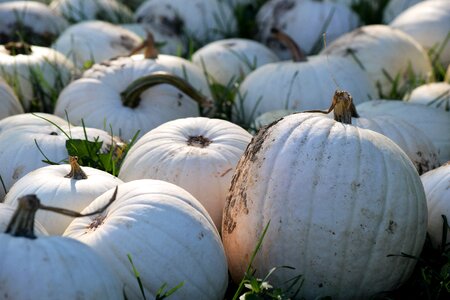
164	153
53	268
339	198
168	234
437	189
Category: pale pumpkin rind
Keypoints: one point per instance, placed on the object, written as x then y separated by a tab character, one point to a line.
168	234
437	189
339	199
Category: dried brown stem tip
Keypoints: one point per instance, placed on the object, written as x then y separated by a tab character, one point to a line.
75	170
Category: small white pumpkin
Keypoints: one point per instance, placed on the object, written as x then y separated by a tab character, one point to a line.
435	94
228	61
339	199
168	234
33	71
7	212
129	95
437	189
202	20
25	148
428	23
80	10
66	186
197	154
384	53
50	267
95	41
31	22
9	103
26	119
434	122
304	21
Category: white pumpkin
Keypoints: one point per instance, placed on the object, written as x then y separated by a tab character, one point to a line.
435	94
384	53
202	20
339	199
305	21
436	184
29	21
62	186
428	23
36	73
432	121
9	104
228	61
89	42
80	10
168	234
125	98
50	267
299	86
25	148
26	119
396	7
197	154
6	213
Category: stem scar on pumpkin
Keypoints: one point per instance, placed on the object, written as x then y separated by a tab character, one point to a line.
342	107
76	172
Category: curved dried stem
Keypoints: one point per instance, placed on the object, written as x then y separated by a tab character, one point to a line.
148	45
286	40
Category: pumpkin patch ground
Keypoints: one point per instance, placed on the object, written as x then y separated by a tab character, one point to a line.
225	149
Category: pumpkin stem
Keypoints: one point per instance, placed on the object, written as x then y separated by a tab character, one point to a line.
286	40
131	95
75	170
342	107
16	48
150	50
22	222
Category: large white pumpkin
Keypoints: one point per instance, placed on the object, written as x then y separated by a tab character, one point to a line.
437	189
36	73
396	7
80	10
197	154
168	234
228	61
434	122
62	186
304	21
384	53
91	42
428	23
200	21
339	199
143	107
301	85
29	21
50	267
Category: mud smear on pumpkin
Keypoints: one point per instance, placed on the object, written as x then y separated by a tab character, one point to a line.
236	202
124	42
